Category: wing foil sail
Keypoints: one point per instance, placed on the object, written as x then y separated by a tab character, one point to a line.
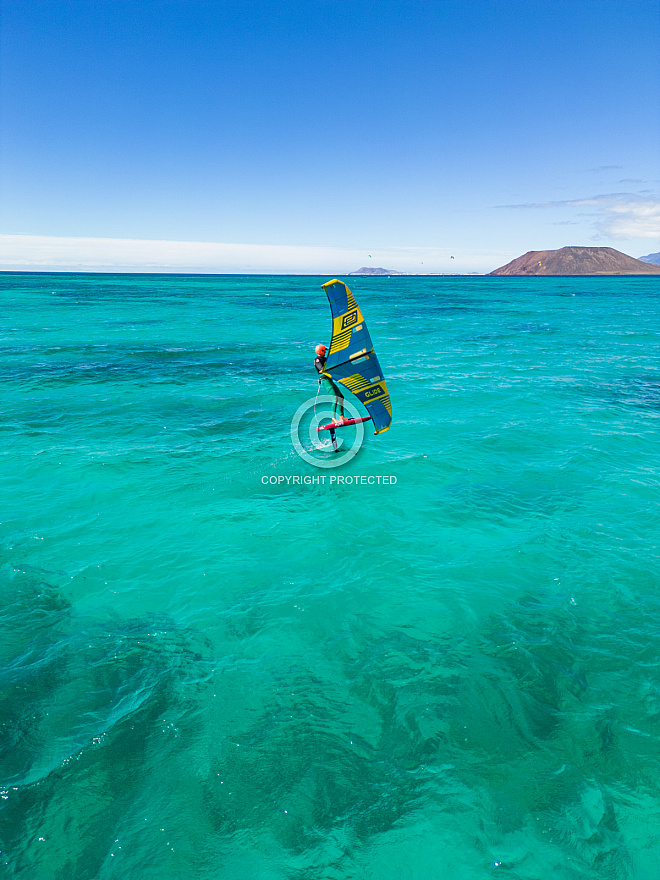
352	360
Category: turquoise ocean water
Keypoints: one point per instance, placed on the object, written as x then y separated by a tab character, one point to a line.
451	676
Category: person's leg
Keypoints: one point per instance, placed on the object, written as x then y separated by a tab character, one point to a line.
329	387
339	405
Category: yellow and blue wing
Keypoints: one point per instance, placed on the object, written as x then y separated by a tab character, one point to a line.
350	337
351	360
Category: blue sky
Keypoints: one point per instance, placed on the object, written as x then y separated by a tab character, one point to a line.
408	130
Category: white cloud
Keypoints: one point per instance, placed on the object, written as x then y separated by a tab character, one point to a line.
624	215
55	253
621	216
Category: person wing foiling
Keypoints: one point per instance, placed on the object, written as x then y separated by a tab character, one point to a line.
327	385
352	361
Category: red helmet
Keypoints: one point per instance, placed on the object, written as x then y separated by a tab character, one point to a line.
320	350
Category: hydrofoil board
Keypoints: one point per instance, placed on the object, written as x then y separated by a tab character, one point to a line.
334	427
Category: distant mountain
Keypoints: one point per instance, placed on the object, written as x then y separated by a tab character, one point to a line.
577	261
651	258
372	270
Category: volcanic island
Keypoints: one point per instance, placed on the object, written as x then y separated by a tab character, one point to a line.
577	261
